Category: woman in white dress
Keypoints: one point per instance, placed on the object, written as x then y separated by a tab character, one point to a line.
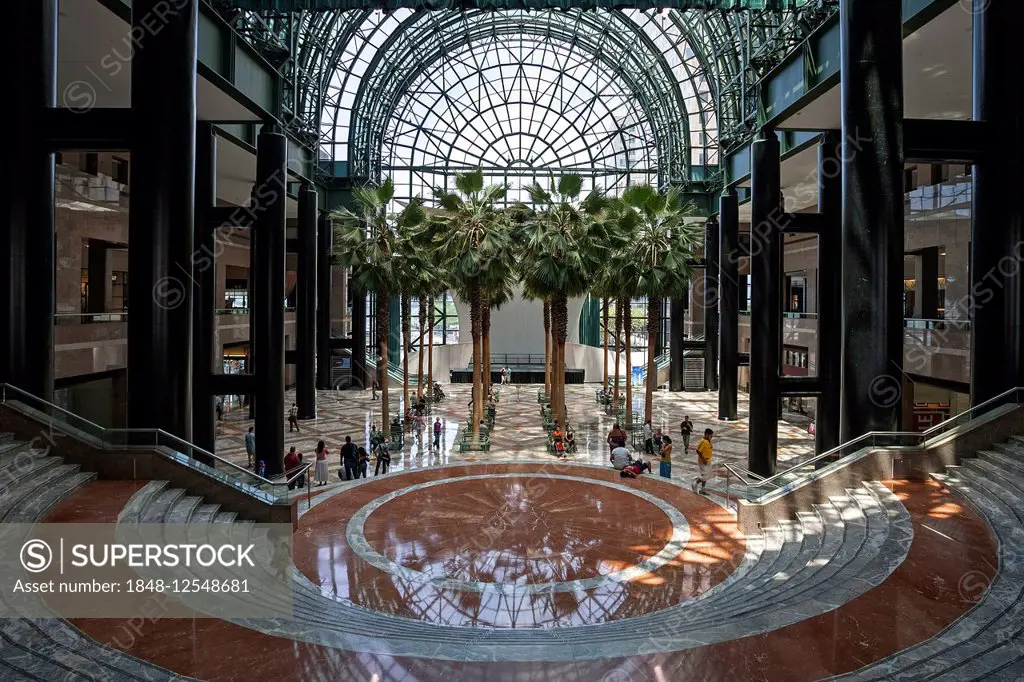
320	474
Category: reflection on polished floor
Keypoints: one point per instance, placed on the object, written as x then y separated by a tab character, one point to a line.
557	546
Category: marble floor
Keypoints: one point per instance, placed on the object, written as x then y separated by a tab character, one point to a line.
425	549
519	435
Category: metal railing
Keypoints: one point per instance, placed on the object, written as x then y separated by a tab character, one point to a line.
89	318
942	325
55	418
756	487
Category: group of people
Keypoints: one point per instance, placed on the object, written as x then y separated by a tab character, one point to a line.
658	444
564	442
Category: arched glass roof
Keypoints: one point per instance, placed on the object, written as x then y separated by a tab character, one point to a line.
611	95
421	92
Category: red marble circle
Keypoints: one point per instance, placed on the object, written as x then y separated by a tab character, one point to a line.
322	553
518	530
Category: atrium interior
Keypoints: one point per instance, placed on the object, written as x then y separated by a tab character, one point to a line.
684	340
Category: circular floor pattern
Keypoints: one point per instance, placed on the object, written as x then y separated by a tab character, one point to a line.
518	534
515	546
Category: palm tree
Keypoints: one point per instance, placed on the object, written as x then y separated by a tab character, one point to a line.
473	242
563	247
369	240
656	261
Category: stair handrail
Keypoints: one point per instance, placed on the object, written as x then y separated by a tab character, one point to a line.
106	437
918	437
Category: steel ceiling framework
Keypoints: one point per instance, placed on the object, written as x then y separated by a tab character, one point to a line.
678	87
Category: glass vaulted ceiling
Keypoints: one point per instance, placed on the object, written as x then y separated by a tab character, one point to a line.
616	96
623	91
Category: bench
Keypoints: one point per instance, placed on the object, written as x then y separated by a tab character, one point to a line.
470	444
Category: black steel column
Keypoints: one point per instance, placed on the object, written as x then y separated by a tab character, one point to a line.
677	316
96	301
160	224
926	298
324	238
711	304
359	378
204	272
266	304
305	309
27	241
872	153
997	220
829	358
766	303
251	287
729	301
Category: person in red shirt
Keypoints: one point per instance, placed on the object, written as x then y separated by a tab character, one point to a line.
634	469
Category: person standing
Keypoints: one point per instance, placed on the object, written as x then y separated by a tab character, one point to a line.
437	434
293	418
220	411
666	458
364	460
685	429
648	438
349	458
704	453
320	473
383	458
250	444
504	375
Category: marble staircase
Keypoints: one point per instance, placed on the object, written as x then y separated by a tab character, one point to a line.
987	643
51	649
810	565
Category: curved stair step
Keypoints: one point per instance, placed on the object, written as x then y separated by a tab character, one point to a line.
40	505
30	487
160	505
132	511
183	509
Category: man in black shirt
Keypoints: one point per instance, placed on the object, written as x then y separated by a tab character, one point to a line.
349	459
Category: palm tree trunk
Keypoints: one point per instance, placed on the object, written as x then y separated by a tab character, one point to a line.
653	327
604	305
627	323
474	314
561	332
618	346
547	347
419	359
485	322
383	328
430	341
406	345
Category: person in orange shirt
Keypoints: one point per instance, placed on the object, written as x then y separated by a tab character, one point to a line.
704	454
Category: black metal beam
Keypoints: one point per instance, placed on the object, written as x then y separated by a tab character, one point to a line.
266	303
711	304
792	386
804	223
743	359
872	249
767	219
729	302
325	239
829	359
359	368
93	129
677	314
160	218
305	309
27	230
204	423
233	384
929	140
997	215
